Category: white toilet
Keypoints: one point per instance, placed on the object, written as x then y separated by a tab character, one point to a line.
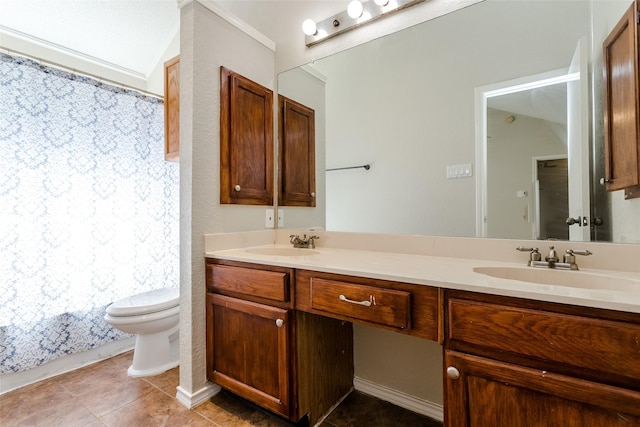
154	317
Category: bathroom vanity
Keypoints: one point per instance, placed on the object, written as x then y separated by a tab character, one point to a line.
516	353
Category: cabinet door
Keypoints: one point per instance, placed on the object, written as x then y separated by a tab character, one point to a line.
246	141
481	392
622	104
172	109
297	154
248	351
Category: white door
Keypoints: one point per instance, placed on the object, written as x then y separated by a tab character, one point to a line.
578	144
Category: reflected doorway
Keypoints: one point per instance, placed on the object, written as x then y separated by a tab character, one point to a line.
552	198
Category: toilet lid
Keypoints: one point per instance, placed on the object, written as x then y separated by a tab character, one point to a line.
146	302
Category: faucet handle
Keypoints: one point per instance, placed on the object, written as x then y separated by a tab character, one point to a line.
534	255
312	244
579	252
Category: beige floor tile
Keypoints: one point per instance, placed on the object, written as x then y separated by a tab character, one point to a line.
43	404
154	409
167	382
104	386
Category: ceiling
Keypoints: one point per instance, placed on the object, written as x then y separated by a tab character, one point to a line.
129	35
132	35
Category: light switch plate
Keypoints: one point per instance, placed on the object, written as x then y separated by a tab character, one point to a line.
280	217
268	218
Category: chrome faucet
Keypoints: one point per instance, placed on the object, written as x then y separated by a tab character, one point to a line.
307	243
552	260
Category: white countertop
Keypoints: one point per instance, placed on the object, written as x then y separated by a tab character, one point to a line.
444	272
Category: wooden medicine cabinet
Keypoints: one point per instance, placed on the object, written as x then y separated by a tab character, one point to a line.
621	63
246	141
296	154
172	109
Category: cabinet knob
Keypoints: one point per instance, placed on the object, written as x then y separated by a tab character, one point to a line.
453	373
237	188
279	323
313	194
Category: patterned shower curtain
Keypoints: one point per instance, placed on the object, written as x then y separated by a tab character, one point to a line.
89	209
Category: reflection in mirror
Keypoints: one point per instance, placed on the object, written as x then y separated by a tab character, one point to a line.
405	104
526	156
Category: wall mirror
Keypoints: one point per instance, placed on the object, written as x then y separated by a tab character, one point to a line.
406	104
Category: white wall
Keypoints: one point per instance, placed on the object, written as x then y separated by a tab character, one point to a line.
207	41
405	104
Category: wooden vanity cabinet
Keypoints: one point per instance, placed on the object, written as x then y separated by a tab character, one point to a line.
621	64
246	141
296	154
520	362
172	109
292	363
400	307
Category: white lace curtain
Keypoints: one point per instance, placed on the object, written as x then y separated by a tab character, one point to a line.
89	209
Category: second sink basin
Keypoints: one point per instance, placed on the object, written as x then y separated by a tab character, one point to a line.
574	279
282	251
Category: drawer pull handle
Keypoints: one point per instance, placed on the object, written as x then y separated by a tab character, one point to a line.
372	301
453	373
279	323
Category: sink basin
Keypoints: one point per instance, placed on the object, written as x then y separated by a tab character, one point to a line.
282	251
574	279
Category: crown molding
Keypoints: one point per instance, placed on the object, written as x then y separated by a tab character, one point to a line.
70	52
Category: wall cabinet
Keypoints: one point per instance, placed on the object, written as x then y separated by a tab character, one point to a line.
514	362
621	61
246	141
172	109
296	159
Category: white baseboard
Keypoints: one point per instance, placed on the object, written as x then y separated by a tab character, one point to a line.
191	400
420	406
14	380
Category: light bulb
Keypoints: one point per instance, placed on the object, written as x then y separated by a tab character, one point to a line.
355	9
309	27
382	2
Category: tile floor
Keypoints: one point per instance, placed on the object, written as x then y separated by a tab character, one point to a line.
102	395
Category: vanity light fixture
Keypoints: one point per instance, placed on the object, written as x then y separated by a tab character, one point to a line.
357	13
355	9
309	27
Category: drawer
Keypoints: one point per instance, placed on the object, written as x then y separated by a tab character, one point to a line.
272	285
570	341
381	306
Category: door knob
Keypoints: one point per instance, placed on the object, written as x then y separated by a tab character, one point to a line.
453	373
579	220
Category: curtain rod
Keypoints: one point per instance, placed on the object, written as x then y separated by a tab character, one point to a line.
74	71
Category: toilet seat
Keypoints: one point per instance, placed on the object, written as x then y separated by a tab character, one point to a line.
146	302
